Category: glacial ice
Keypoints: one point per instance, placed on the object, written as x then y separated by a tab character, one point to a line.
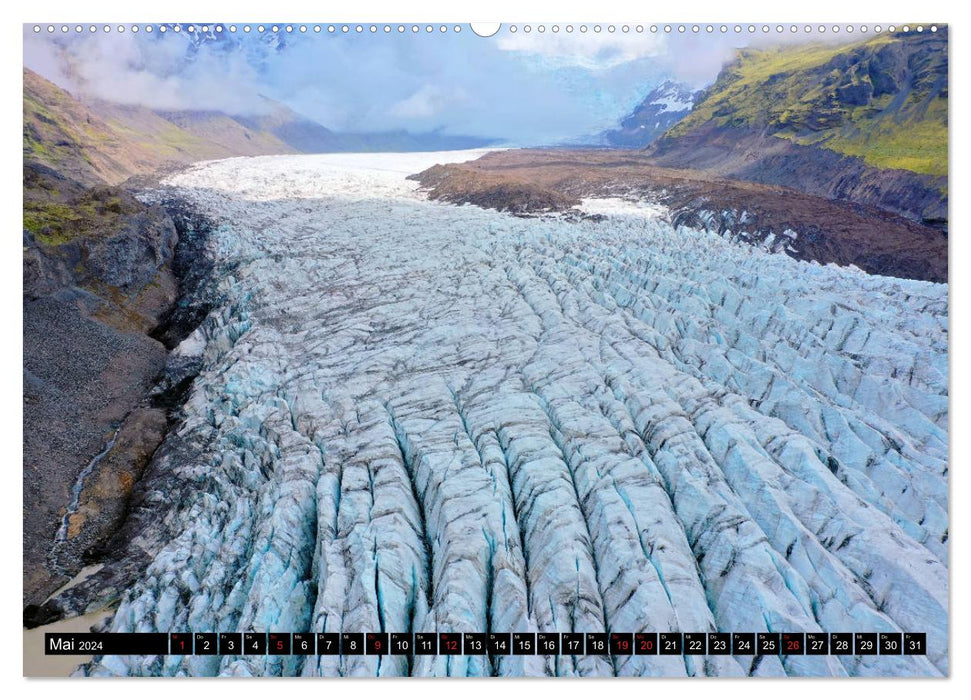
420	416
617	206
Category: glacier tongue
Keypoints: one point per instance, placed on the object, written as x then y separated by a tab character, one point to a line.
422	417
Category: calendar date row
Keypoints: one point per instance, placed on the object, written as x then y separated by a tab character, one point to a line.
493	644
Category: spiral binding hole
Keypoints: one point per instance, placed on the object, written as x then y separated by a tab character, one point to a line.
512	28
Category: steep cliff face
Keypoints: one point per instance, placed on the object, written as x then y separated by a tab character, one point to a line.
864	122
97	280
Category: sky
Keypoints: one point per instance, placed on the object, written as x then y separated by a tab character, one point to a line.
519	88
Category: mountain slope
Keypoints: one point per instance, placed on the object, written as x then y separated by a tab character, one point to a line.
102	142
304	135
299	133
95	141
62	133
193	135
665	106
865	122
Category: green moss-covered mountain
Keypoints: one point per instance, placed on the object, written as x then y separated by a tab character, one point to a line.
865	122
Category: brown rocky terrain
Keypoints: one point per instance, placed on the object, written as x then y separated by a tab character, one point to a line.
102	274
97	281
537	181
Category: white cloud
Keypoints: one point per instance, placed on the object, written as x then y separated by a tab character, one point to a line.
128	69
590	50
427	101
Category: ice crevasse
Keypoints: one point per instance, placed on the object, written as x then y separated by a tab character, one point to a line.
414	416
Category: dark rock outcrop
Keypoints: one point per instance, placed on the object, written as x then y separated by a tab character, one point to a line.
121	494
98	279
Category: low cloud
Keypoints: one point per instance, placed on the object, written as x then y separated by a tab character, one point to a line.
589	50
155	73
527	89
427	101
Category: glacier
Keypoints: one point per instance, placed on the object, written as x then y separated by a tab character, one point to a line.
416	416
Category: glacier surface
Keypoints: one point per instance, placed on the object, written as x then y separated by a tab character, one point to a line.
414	416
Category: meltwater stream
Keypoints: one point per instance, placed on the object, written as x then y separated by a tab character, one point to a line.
78	487
414	416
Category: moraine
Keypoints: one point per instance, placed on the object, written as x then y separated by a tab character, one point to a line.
414	416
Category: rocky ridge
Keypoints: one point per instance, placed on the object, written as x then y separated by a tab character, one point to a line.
538	182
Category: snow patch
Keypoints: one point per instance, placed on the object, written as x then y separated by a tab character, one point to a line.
615	206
